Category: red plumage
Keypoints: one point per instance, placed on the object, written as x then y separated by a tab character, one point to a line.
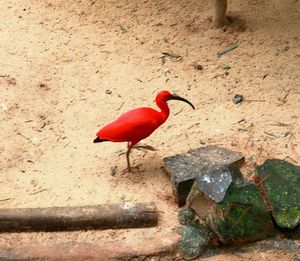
132	126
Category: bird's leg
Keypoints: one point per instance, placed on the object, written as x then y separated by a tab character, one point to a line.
133	146
129	146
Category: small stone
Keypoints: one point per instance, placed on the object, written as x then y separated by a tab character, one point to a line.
285	49
44	86
238	99
198	67
109	92
186	216
4	106
194	240
167	71
280	181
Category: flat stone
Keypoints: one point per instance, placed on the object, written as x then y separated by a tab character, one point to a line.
214	182
218	156
280	181
185	168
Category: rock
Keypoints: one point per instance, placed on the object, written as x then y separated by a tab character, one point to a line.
202	205
280	182
185	168
214	155
186	216
237	99
195	239
240	217
214	182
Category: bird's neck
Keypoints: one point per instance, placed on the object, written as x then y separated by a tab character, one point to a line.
165	111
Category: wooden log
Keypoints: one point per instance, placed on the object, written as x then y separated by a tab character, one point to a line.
114	216
219	13
160	247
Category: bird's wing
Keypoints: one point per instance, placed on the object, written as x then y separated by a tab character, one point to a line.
132	126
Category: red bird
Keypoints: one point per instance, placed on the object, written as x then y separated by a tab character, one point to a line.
136	125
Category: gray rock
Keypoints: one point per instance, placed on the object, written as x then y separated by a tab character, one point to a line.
214	182
185	168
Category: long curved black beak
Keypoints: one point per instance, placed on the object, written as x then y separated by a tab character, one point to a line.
178	98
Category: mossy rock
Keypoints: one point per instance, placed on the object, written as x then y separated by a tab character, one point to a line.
280	181
242	215
195	239
245	217
186	216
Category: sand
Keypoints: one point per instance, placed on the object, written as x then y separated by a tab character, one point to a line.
69	67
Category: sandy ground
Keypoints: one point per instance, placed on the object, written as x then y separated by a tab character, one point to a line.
70	66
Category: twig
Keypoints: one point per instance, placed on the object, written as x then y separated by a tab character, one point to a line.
288	157
287	92
174	57
247	100
294	152
5	199
178	112
67	144
241	216
228	49
242	129
270	134
121	106
20	134
261	181
280	124
193	125
36	192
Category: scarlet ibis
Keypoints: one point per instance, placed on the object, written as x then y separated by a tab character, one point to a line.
137	124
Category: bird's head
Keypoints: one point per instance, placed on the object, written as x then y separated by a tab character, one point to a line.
165	96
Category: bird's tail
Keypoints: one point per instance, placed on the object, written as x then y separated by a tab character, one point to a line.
98	140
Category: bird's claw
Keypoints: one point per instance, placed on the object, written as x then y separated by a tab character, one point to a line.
134	169
146	147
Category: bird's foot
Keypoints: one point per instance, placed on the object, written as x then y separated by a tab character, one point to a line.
144	146
135	169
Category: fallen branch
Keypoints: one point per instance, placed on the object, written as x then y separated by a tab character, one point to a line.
127	215
130	249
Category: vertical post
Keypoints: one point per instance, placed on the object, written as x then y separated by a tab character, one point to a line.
219	13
